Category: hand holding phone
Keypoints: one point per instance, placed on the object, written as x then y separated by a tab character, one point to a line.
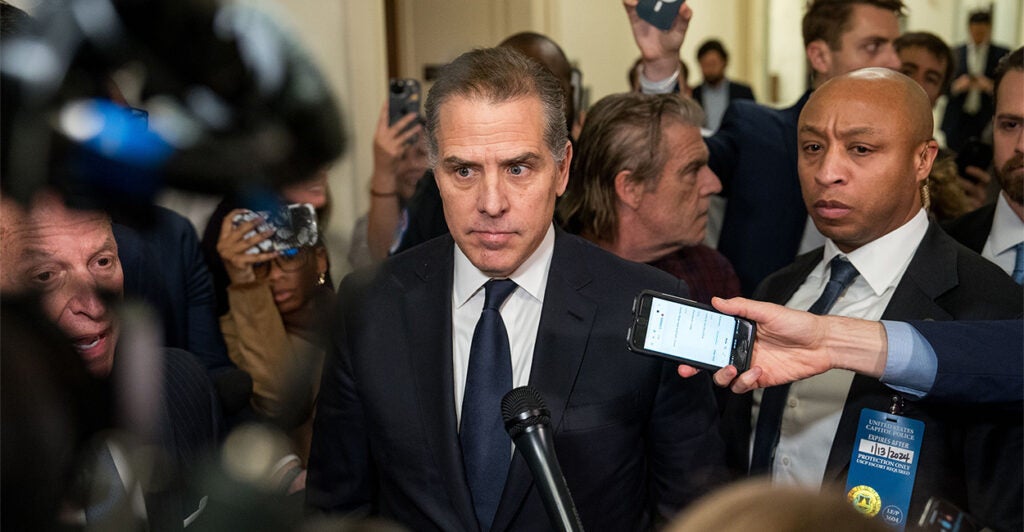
687	332
659	13
403	99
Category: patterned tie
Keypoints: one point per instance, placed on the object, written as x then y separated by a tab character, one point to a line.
485	445
773	402
1018	264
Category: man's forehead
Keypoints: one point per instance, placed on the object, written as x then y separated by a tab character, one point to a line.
874	21
46	219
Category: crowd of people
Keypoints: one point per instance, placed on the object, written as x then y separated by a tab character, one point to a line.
227	382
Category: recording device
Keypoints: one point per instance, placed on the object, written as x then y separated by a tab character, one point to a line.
941	515
294	226
403	98
687	332
974	153
528	422
659	13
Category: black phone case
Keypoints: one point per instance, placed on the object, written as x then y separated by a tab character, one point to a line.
660	13
403	98
741	366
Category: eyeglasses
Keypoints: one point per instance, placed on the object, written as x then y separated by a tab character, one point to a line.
290	260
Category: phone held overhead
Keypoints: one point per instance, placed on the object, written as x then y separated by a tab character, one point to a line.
403	98
688	332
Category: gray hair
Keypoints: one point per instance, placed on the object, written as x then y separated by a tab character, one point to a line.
622	132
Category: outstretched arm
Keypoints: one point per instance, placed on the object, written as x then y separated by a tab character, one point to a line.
793	345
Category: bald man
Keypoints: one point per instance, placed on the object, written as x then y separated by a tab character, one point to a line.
865	146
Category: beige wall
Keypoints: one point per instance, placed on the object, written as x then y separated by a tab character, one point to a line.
347	40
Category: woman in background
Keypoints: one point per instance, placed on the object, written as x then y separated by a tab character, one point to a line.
277	300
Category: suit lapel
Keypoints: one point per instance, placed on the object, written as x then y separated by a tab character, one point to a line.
931	273
429	307
556	356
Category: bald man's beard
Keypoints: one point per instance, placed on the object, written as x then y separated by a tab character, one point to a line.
1011	178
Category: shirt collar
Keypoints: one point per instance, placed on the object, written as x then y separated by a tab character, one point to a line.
531	276
882	261
1007	229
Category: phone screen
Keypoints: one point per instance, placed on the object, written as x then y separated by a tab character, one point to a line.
690	332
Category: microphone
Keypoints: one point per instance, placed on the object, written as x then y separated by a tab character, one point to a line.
528	422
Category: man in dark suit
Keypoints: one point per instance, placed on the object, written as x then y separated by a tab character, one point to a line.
69	259
996	231
716	92
970	107
866	146
405	393
754	152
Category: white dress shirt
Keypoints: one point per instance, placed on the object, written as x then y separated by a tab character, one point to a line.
1007	231
814	406
520	312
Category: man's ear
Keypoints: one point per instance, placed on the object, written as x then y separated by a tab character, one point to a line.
629	191
925	159
819	55
563	170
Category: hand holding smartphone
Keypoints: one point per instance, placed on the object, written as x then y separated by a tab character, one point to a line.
687	332
403	98
659	13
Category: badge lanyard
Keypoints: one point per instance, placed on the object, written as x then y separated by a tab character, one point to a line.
884	464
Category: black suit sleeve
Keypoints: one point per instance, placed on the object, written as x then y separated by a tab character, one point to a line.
338	476
682	433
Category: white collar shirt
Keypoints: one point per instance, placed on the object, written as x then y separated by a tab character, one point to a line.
520	312
1007	231
814	406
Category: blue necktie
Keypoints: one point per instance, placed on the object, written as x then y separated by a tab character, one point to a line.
486	448
1018	264
773	402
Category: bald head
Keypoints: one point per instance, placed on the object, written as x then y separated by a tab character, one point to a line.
885	87
546	52
865	148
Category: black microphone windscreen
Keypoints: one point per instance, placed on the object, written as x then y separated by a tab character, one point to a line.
522	408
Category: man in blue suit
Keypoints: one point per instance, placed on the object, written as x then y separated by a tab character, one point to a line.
754	151
403	388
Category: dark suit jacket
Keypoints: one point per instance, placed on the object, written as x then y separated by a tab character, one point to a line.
960	378
634	440
737	91
958	125
754	154
163	265
972	229
970	456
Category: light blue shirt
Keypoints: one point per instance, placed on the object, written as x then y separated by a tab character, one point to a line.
911	364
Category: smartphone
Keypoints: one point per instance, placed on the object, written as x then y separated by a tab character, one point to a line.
294	226
659	13
941	515
687	332
403	98
973	153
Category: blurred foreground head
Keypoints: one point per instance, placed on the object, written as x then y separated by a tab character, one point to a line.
69	258
237	103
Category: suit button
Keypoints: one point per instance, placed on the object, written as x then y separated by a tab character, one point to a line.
785	461
792	402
